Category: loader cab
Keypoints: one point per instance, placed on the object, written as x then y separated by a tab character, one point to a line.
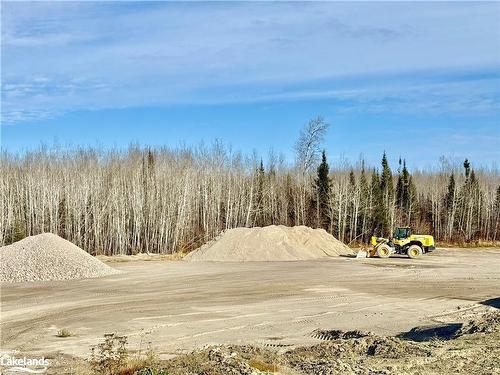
402	233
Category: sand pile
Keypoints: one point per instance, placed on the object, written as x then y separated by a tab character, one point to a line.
48	257
272	243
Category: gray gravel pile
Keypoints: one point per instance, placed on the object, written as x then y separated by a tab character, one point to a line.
47	257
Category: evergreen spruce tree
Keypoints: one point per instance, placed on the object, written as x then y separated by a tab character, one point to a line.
406	196
450	194
412	202
261	166
497	199
473	180
16	233
386	178
323	191
450	199
387	191
377	207
471	198
467	168
363	185
352	179
148	177
399	192
62	217
477	201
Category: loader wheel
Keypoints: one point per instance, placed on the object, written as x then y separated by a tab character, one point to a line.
383	251
414	251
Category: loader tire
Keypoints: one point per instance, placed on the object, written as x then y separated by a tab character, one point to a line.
414	251
384	251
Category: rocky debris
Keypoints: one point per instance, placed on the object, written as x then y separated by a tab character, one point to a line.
487	323
336	356
228	362
484	322
216	360
349	353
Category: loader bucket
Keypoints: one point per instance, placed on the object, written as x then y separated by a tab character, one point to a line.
362	254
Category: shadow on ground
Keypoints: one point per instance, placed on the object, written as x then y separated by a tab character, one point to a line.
442	332
493	302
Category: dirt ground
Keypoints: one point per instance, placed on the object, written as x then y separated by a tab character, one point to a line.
180	306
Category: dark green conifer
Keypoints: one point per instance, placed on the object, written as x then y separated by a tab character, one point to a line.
467	168
323	191
387	191
450	194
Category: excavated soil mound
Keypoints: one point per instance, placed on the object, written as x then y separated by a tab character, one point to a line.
272	243
488	323
48	257
349	353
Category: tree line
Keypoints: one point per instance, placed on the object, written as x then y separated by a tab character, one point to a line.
454	207
167	200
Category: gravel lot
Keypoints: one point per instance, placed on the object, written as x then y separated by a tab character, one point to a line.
277	305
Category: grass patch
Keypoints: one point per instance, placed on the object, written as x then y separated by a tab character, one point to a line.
263	366
64	333
112	357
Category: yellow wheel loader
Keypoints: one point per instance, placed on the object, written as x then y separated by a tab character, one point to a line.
403	242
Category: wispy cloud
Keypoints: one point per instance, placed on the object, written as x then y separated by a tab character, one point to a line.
400	93
66	56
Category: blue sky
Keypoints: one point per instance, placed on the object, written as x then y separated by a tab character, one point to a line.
417	79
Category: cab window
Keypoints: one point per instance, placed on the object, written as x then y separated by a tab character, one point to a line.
400	233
